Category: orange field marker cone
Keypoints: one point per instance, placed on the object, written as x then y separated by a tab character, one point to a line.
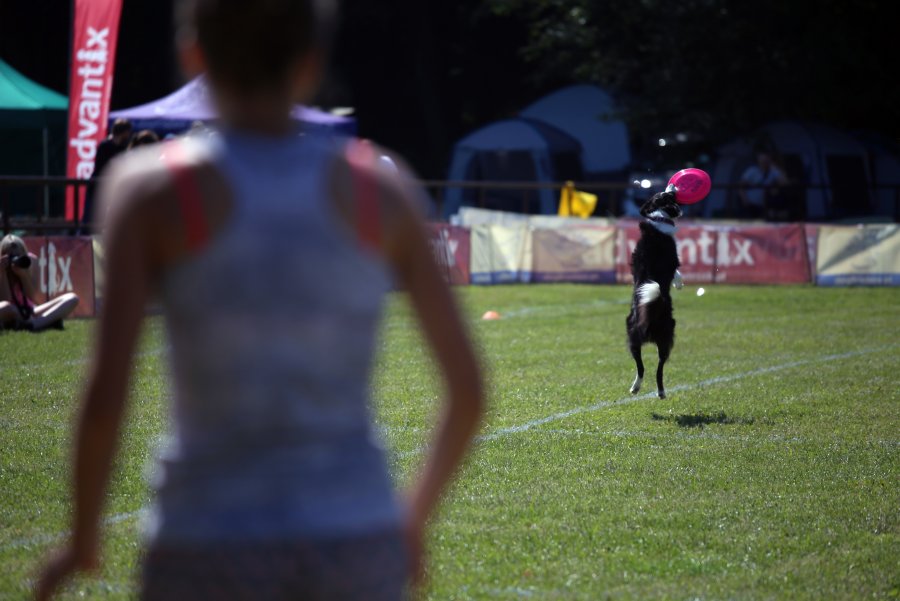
490	315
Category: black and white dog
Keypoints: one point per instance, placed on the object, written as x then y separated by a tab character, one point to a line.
654	265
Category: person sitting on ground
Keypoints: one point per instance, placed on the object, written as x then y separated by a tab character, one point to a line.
18	295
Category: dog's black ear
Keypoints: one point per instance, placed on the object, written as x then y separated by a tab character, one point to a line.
648	207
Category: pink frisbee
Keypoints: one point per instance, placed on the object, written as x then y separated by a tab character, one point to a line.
691	185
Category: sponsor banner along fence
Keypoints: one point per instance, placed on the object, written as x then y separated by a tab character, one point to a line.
764	254
451	245
495	254
64	264
574	254
812	243
501	254
697	247
867	255
472	216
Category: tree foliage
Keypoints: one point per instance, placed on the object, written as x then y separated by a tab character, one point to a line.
719	67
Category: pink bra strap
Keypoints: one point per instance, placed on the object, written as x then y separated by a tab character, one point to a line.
361	156
189	199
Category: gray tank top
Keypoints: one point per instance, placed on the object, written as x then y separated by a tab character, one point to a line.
272	328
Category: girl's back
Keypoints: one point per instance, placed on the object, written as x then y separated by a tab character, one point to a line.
272	325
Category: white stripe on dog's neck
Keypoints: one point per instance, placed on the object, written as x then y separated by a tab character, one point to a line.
661	227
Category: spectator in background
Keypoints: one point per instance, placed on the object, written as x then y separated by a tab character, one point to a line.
760	185
143	138
115	144
18	294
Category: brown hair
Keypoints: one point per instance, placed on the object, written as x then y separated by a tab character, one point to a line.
12	245
251	44
143	138
121	126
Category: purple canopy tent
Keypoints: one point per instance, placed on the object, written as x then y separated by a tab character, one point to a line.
177	111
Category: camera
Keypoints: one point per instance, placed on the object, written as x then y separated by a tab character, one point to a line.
20	261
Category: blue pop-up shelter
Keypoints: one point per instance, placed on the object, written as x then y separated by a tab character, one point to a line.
512	150
590	116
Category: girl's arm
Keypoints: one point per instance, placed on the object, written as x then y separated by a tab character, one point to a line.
446	333
410	253
103	402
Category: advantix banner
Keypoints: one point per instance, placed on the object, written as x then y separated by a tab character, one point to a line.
96	30
64	264
588	253
746	254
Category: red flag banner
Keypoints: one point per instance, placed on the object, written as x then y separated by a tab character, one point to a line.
94	39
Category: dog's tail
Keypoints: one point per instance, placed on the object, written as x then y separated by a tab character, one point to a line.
648	292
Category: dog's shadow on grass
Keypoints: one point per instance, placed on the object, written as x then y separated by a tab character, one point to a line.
698	420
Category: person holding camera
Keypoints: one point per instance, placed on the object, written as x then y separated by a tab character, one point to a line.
18	305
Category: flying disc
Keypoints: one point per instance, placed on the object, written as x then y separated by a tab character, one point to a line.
691	185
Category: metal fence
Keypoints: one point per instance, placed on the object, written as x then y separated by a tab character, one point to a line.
37	204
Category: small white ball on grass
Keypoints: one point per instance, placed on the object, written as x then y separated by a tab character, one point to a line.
700	291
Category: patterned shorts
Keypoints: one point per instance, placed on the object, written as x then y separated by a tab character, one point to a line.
372	567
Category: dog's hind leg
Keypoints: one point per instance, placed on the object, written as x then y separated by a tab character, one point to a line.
663	356
639	378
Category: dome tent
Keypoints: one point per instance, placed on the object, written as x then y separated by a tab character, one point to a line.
815	155
514	150
588	114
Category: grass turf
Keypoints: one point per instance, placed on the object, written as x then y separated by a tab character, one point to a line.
771	471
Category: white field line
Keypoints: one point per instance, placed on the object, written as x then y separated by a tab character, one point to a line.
41	539
529	425
691	433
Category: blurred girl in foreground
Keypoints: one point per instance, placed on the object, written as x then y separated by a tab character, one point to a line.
272	253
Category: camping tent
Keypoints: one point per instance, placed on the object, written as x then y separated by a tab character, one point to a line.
32	110
513	150
588	114
835	165
177	111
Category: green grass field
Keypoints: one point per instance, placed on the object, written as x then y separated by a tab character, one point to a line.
772	471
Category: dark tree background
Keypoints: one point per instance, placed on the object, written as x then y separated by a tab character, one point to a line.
421	74
721	67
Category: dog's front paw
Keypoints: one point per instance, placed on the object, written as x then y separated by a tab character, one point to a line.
661	394
636	386
678	281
